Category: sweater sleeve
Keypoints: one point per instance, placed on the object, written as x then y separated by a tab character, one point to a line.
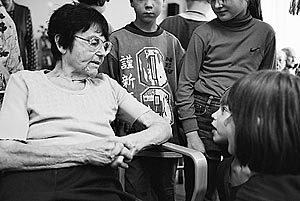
189	74
129	108
269	60
14	118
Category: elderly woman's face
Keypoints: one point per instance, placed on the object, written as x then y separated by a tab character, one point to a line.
88	52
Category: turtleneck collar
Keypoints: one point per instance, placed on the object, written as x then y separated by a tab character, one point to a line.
237	23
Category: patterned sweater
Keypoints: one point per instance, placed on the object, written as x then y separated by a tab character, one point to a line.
147	65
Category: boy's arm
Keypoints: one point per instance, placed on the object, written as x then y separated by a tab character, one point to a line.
180	60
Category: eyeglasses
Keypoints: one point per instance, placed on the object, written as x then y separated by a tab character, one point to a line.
96	44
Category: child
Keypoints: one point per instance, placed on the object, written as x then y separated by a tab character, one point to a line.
280	60
219	53
265	111
145	60
100	6
291	66
182	25
230	174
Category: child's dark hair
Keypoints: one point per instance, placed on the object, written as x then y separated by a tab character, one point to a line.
265	107
93	2
254	6
70	19
224	98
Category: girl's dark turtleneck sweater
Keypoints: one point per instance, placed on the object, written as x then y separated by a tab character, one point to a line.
238	24
218	54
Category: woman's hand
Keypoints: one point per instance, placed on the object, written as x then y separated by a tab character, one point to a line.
19	155
107	151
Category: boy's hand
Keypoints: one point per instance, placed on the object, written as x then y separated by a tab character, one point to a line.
194	141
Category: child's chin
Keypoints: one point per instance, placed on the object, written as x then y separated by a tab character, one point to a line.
217	138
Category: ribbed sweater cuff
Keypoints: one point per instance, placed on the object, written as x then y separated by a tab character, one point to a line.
189	125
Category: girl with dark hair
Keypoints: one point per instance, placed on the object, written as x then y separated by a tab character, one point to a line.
265	113
258	122
230	174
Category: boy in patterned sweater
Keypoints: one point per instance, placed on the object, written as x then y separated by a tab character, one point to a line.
145	60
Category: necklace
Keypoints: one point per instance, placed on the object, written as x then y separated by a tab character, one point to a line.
67	82
74	80
83	80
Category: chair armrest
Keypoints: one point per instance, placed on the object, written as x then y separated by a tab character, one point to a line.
200	168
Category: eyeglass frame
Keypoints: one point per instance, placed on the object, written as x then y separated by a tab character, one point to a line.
100	42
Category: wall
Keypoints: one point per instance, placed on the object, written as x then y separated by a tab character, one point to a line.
119	13
41	11
286	26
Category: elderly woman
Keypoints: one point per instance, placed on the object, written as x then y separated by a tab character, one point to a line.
56	139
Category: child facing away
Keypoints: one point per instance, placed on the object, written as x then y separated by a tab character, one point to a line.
263	135
145	60
183	24
230	174
99	5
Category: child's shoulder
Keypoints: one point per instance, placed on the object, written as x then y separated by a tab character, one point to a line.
170	38
117	31
263	26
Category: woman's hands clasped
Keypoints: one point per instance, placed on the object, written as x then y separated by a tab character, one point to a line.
113	151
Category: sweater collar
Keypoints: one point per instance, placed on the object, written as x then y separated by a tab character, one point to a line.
237	23
134	29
